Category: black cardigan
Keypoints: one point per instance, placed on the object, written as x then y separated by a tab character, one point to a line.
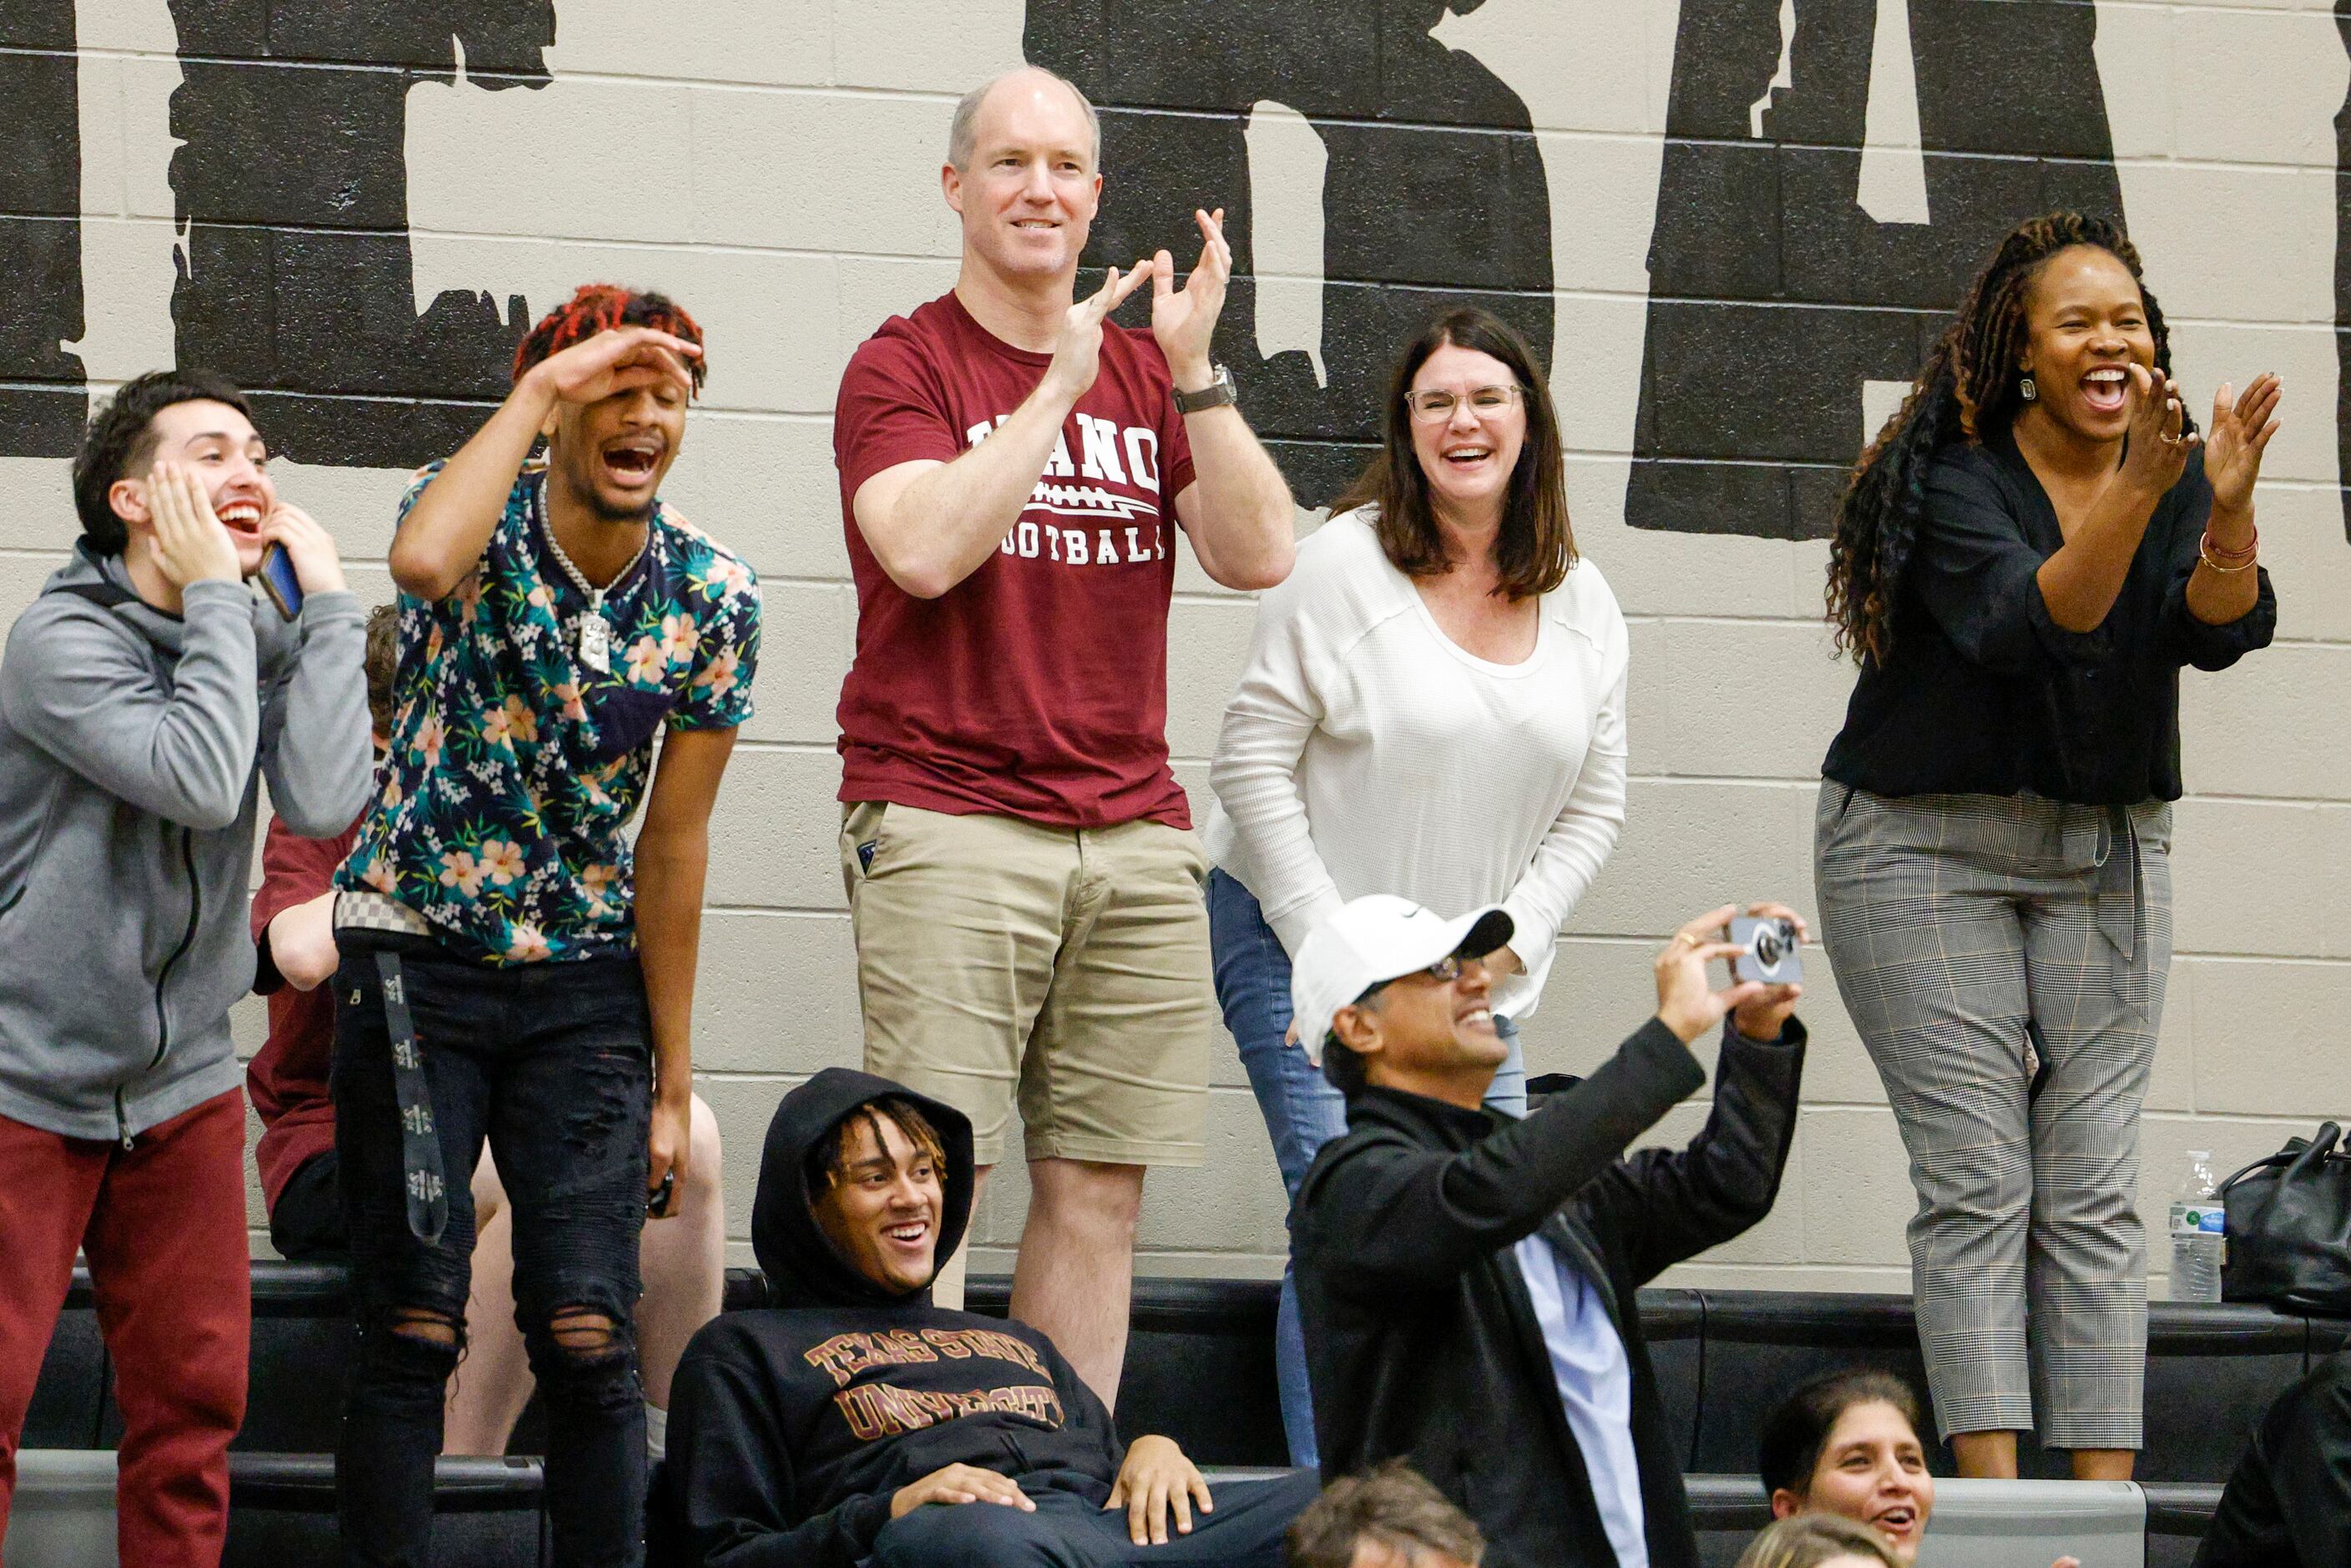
1983	694
1421	1340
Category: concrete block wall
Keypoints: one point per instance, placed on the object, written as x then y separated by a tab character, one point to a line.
1733	244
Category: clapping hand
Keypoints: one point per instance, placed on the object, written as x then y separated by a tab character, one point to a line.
1077	355
2240	433
1183	320
2159	448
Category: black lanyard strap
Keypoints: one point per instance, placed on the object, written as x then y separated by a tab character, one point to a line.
420	1140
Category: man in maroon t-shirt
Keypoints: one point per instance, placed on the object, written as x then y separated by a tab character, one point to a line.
1022	876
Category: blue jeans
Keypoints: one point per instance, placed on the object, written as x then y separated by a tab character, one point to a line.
1302	1111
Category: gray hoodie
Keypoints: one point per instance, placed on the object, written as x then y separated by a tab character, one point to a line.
129	740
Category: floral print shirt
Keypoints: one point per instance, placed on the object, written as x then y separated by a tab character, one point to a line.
514	766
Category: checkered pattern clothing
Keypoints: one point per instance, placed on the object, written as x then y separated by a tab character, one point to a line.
2004	960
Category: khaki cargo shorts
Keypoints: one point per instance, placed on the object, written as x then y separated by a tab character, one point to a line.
1065	970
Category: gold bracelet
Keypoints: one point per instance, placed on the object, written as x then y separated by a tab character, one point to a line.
2205	550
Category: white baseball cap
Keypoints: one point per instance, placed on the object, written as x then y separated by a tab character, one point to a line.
1375	938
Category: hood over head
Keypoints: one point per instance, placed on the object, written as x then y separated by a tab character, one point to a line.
803	1267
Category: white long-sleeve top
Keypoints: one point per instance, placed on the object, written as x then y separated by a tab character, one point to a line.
1365	751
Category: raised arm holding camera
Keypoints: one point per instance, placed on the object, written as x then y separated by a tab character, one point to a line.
1467	1279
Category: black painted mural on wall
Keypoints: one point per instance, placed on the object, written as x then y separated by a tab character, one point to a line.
1774	295
42	404
292	184
1434	190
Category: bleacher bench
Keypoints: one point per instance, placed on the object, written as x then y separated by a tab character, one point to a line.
1199	1368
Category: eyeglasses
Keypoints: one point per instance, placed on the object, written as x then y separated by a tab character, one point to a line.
1444	972
1437	404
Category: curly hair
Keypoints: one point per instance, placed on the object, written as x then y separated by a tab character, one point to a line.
1967	391
601	307
827	1161
120	442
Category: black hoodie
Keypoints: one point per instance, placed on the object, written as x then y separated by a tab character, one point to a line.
790	1427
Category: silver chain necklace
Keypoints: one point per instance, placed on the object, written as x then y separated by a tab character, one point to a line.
591	634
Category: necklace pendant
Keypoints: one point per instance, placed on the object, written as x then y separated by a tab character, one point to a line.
595	644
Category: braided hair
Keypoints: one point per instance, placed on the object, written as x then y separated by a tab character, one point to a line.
1968	390
601	307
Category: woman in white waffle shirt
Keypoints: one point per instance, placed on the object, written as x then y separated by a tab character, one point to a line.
1433	706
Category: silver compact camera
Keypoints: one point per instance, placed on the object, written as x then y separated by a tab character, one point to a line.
1771	946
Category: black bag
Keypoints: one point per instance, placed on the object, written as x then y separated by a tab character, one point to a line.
2290	1227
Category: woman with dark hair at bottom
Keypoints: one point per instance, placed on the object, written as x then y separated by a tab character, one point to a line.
1848	1444
2022	562
1433	706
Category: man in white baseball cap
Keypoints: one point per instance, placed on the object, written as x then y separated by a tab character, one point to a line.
1467	1280
1371	941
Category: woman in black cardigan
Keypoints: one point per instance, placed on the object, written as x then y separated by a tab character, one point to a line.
2023	559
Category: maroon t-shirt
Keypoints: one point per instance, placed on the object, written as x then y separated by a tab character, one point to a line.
288	1077
1036	688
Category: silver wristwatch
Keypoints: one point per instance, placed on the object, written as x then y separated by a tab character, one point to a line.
1215	394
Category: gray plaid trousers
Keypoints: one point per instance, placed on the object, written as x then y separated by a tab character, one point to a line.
1972	934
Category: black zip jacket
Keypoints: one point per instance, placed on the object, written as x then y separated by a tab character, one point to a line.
790	1427
2288	1503
1421	1339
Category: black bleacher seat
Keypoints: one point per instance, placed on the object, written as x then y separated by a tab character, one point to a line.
301	1359
2177	1515
1725	1512
1759	1344
71	1390
1199	1366
2212	1368
487	1513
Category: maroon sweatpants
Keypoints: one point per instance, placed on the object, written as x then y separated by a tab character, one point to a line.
163	1224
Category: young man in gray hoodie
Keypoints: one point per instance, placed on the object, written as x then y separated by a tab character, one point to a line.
141	695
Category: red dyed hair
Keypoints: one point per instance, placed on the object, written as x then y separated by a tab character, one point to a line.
601	307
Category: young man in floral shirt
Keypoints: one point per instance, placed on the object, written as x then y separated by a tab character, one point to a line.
507	971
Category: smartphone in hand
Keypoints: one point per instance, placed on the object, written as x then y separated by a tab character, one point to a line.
278	581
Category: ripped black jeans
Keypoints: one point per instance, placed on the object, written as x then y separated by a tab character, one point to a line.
552	1064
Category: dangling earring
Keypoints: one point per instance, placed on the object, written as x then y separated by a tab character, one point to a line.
2027	391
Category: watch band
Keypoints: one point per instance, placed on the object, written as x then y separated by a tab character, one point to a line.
1215	394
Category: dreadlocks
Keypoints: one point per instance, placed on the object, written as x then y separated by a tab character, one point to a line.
601	307
1968	390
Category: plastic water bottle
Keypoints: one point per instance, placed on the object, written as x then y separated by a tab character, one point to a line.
2199	1232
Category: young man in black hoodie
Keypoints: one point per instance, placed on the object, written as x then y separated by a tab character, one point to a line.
1467	1281
857	1422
